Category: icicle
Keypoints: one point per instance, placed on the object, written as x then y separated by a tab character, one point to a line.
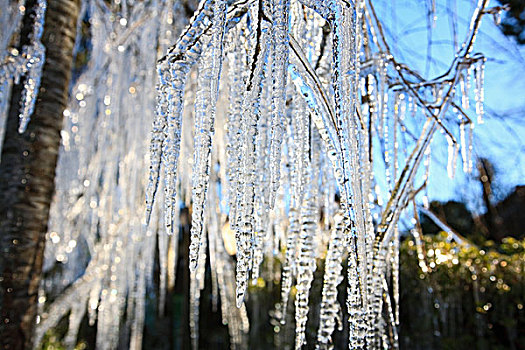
375	302
170	154
399	116
305	260
382	94
330	307
463	144
392	341
173	250
463	85
357	319
139	298
262	187
395	275
426	164
75	318
204	129
196	286
251	106
205	108
212	231
419	247
279	68
194	302
172	71
469	153
479	91
386	141
289	262
235	318
28	62
218	29
157	139
93	302
345	83
452	156
345	86
299	150
162	238
31	85
234	130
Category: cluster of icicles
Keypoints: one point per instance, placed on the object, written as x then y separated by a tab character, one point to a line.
20	65
290	131
294	125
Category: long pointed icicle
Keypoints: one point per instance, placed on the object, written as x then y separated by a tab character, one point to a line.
173	250
235	318
246	214
298	148
157	139
194	301
330	307
204	124
196	287
479	92
306	263
31	86
162	241
234	128
288	264
306	259
205	108
279	68
355	300
171	146
165	141
217	44
35	54
345	87
262	190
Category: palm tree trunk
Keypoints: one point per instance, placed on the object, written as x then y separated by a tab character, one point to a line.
27	173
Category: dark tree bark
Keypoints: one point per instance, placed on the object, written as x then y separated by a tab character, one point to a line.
27	173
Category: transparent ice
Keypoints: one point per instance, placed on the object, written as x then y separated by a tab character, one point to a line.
269	122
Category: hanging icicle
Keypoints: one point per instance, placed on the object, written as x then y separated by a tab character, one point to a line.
25	65
288	129
330	307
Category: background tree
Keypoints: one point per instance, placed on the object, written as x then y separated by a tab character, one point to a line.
27	174
513	24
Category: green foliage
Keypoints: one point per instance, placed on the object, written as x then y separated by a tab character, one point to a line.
52	341
468	298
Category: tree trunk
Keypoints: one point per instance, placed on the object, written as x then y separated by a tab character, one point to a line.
27	173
